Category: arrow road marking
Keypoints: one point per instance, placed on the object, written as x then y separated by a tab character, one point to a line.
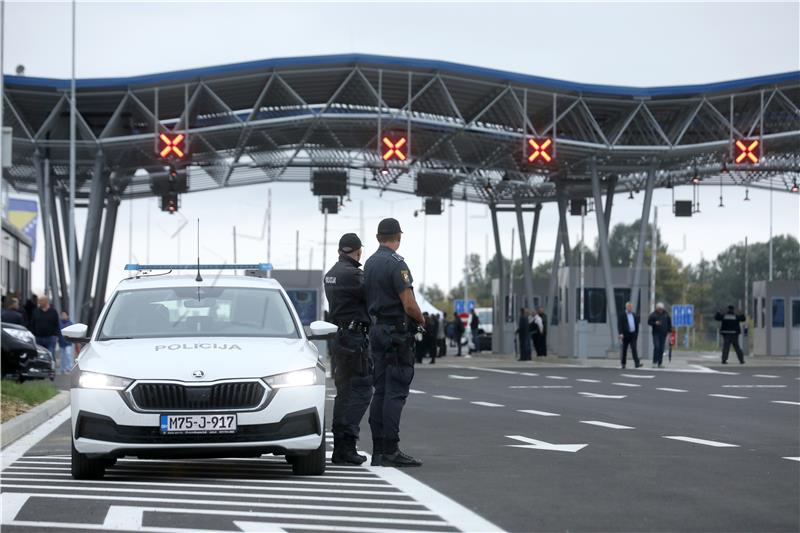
534	444
488	404
605	424
785	402
732	397
442	397
540	413
456	376
609	396
667	389
703	442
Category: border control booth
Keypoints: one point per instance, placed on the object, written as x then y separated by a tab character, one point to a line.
776	318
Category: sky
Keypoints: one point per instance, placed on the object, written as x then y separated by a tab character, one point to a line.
638	44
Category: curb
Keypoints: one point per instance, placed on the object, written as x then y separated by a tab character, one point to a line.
26	422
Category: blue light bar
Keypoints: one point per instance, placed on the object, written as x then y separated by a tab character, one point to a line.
255	266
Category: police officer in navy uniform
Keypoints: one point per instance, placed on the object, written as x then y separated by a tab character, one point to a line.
729	329
344	289
396	319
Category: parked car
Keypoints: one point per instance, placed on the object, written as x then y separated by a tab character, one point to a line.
184	367
22	358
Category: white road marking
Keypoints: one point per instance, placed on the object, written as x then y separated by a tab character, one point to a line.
754	386
539	413
622	384
16	450
768	376
728	373
637	376
488	404
555	377
531	374
703	442
540	386
534	444
732	397
498	370
792	458
415	391
11	504
608	396
605	424
443	397
785	402
258	527
583	380
667	389
123	517
456	376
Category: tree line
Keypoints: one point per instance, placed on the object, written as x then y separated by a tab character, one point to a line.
710	284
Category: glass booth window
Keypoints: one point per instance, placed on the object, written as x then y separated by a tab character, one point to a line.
594	305
763	312
796	313
778	318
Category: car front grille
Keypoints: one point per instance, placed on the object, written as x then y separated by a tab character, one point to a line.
236	395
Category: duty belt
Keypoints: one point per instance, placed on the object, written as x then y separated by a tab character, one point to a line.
355	325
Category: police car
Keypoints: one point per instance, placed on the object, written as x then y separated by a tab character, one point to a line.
181	366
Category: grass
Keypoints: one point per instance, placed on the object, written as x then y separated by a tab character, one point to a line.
16	398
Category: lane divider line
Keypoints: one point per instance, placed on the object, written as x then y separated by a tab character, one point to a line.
605	424
704	442
538	413
668	389
443	397
488	404
731	396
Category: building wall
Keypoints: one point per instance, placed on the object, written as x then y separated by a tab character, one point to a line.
15	265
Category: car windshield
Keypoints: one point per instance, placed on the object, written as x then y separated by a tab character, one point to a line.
198	312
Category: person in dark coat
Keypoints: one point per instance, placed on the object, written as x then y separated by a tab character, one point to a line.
661	323
729	329
628	329
523	335
27	309
11	314
543	335
431	329
45	324
421	346
474	326
459	331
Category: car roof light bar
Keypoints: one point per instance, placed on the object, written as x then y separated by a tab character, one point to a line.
254	266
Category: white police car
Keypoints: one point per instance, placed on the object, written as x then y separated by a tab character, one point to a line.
177	367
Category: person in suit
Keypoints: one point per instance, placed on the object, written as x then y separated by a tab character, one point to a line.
628	329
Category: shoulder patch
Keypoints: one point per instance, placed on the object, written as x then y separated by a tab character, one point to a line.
405	275
398	257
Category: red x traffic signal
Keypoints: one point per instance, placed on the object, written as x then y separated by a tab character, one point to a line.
747	151
172	145
395	148
540	150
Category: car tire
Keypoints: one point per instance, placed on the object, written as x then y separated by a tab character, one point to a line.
86	468
312	464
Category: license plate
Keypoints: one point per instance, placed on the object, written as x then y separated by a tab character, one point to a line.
181	424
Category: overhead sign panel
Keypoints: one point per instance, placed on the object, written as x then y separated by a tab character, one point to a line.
747	151
394	147
540	150
172	145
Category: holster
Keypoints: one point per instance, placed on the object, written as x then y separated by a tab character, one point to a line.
400	352
351	349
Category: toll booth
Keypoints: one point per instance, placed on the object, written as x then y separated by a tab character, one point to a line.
776	318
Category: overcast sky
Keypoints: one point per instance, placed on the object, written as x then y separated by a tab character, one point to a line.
638	44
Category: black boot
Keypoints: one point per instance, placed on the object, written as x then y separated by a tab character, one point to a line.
392	456
344	452
377	452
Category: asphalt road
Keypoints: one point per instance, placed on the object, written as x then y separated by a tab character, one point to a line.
652	450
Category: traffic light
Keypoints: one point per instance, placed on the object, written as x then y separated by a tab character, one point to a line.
169	202
172	146
394	147
539	150
747	151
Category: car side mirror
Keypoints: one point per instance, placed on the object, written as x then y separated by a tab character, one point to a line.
76	332
321	330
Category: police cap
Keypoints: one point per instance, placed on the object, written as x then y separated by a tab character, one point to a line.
389	226
349	243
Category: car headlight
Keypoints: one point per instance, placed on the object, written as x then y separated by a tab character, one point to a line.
297	378
94	380
20	334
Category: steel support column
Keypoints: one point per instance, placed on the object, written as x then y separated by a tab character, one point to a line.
561	199
43	182
91	237
106	245
534	233
527	273
64	201
60	270
551	289
643	222
612	184
498	326
602	238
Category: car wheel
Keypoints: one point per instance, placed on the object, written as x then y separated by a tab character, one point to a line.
312	464
86	468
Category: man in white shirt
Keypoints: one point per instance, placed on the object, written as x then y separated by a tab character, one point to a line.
628	328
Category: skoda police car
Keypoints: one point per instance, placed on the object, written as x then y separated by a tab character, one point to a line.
181	366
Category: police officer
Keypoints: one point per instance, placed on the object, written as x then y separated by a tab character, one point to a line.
729	329
344	289
396	318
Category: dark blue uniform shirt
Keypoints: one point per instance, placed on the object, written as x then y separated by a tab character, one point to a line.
386	275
